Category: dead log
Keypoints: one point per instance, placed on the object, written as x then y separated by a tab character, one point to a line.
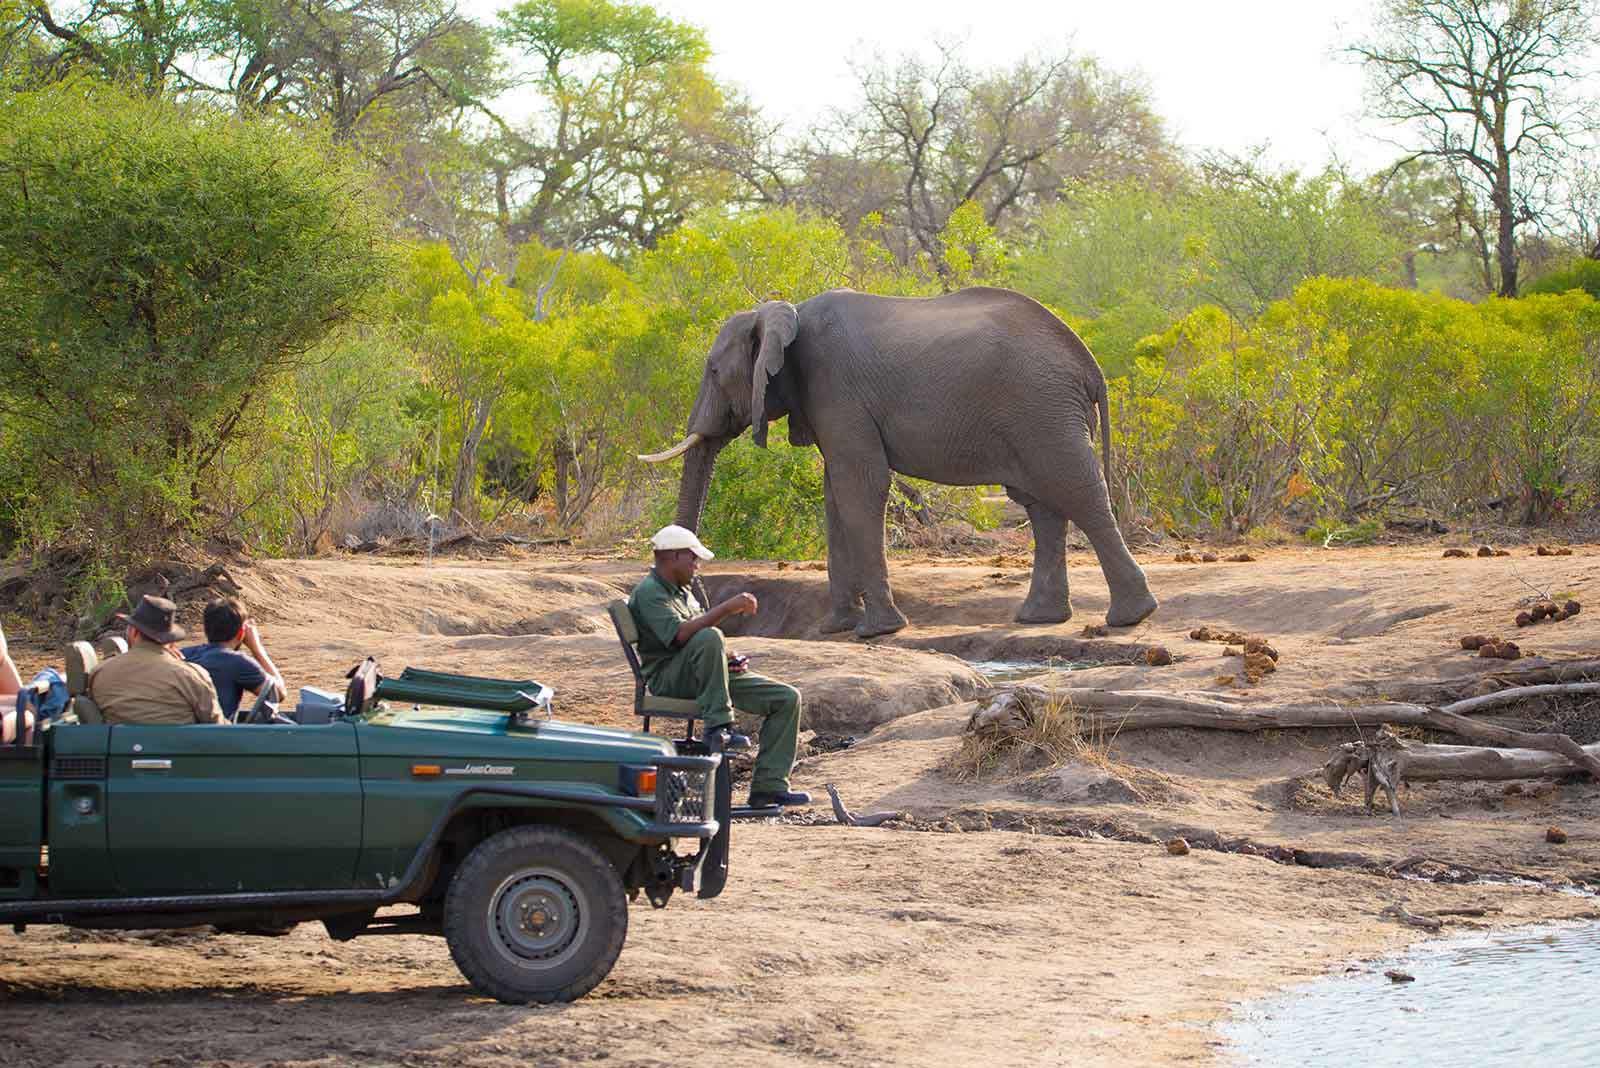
1446	690
1385	760
1108	711
1410	919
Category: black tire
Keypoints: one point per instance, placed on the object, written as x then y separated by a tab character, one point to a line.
578	908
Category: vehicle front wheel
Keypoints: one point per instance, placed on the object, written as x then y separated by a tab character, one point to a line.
535	914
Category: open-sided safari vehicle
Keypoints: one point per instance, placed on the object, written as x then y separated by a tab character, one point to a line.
516	836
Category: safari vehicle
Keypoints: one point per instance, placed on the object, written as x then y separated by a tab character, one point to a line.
516	836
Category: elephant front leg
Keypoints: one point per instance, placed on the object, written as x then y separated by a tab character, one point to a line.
1049	599
861	496
844	595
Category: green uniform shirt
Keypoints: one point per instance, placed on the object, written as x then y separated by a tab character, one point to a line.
659	608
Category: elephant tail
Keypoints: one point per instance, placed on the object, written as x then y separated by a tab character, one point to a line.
1105	441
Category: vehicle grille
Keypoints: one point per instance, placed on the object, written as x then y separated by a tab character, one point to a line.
78	767
681	796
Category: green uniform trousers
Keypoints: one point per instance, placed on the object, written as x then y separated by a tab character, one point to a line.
700	671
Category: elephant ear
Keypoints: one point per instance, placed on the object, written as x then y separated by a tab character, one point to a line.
777	322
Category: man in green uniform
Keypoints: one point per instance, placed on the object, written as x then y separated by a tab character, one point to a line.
683	655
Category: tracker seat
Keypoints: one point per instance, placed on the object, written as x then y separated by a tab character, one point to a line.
645	703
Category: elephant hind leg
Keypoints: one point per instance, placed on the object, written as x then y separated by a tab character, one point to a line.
1076	490
1048	600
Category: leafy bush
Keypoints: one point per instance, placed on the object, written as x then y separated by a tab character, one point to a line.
764	503
159	267
1584	275
1347	396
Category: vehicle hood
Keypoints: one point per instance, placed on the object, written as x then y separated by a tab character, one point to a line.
430	731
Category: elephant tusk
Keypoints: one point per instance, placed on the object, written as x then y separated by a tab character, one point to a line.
677	450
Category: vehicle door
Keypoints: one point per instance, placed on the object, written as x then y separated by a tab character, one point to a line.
221	808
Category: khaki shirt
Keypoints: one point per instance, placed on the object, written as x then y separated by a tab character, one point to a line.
147	684
658	609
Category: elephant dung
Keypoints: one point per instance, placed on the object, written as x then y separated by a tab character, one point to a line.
1157	656
1456	553
1258	664
1476	641
1485	550
1553	550
1177	847
1241	558
1259	645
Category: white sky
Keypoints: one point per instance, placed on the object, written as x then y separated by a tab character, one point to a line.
1224	74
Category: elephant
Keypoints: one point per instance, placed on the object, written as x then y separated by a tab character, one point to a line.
982	386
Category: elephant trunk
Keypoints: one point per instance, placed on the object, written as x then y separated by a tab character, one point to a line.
696	482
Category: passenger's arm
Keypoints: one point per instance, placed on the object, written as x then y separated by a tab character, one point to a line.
10	677
740	604
252	641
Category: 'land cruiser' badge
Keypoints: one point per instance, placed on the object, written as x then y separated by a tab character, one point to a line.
482	769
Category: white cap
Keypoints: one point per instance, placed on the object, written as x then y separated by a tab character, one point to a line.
676	537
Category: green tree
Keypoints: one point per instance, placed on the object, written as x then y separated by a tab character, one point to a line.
1486	87
621	146
932	135
159	265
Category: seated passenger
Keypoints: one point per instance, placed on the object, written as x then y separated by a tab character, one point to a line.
151	682
232	672
10	687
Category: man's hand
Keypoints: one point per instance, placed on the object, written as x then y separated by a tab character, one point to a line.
252	637
740	604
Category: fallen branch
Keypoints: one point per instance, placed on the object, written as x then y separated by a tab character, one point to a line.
849	819
1385	760
1411	919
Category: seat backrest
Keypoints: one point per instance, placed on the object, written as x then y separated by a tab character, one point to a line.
86	710
628	634
81	662
622	619
363	687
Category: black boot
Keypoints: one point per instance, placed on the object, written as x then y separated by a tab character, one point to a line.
780	798
725	739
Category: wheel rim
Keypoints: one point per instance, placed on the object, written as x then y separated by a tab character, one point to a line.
537	918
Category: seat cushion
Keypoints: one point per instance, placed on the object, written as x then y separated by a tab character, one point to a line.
669	706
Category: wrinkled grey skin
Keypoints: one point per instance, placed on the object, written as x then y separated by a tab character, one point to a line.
979	387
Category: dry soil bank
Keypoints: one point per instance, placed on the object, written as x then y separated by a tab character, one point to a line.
885	946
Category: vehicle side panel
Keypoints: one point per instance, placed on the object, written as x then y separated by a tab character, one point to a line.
21	819
402	805
217	808
75	811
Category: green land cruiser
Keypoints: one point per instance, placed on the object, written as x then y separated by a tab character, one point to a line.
516	836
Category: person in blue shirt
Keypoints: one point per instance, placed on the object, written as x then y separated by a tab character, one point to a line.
228	628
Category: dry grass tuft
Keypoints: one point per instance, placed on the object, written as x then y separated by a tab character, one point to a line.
1026	735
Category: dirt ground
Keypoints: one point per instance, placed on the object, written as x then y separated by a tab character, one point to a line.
1026	921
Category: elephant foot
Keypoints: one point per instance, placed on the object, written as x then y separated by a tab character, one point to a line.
880	623
1127	611
1052	612
842	621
